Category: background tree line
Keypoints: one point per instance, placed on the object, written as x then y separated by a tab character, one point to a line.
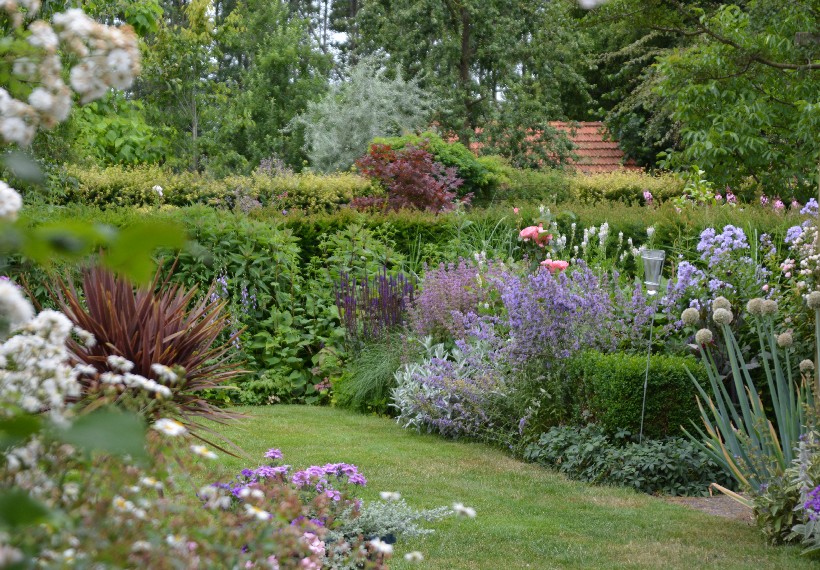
729	87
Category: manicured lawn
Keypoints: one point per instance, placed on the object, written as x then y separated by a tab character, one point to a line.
528	517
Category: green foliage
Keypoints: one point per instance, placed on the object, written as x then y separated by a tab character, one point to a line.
777	509
743	439
370	376
467	54
294	352
612	391
745	94
480	177
113	130
357	251
525	185
669	467
625	186
110	431
270	71
367	104
134	186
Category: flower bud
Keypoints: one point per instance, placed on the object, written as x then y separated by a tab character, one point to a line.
721	303
755	306
723	316
690	316
769	307
785	340
703	336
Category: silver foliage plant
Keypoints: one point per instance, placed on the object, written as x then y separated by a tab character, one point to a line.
365	105
394	517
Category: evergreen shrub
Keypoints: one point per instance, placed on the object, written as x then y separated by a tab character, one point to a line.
611	390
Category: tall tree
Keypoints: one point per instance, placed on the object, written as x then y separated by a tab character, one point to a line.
743	91
490	62
274	66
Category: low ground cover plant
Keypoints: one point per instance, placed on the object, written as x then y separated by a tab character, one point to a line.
673	466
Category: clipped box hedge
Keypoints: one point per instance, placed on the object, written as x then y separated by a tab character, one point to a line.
611	389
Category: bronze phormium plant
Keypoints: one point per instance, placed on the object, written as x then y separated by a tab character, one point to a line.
161	323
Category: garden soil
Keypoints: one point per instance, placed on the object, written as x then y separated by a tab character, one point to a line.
719	506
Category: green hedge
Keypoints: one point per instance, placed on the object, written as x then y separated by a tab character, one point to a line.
612	391
624	186
489	178
133	186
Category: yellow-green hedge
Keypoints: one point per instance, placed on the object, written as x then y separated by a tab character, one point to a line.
624	186
133	186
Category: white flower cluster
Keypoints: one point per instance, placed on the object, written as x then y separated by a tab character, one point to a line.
35	373
15	310
10	202
121	376
107	57
136	381
805	247
603	234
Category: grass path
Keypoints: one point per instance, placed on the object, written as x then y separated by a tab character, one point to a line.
528	517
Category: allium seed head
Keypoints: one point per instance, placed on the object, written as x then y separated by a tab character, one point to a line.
785	340
722	316
769	307
755	306
813	300
703	336
690	316
721	303
806	366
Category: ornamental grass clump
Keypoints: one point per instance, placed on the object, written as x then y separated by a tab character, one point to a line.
738	432
162	331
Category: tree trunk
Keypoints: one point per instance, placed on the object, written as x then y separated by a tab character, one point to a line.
194	130
464	76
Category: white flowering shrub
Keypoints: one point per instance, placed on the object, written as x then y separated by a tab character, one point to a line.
117	491
102	57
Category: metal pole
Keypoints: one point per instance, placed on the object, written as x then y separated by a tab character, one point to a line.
646	376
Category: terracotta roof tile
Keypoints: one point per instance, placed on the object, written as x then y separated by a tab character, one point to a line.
595	153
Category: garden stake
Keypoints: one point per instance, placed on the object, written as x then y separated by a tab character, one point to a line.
652	269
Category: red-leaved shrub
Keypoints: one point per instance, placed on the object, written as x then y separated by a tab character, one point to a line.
412	178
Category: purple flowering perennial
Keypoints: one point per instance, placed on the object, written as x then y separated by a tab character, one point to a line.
812	505
811	208
369	308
